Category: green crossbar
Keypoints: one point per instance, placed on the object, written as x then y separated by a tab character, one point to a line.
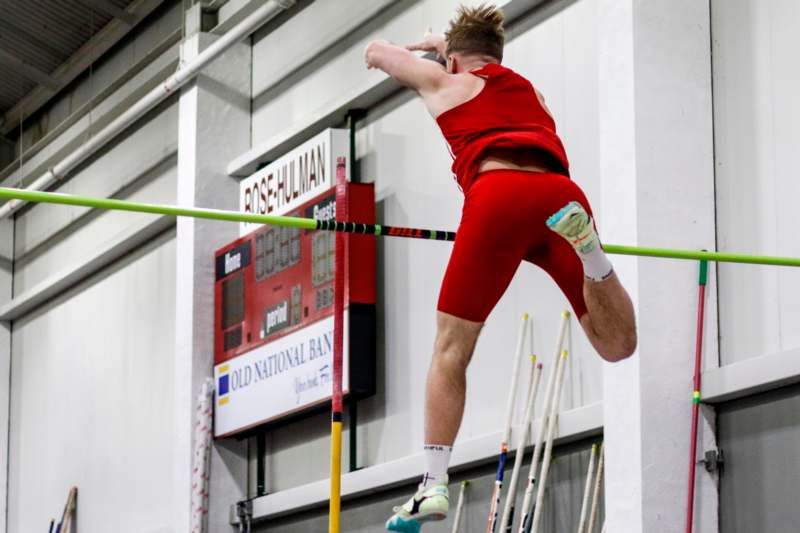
698	255
366	229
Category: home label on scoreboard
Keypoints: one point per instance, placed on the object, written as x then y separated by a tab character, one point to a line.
273	345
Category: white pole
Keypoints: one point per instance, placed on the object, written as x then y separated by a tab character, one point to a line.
548	451
522	441
202	455
548	399
188	71
512	393
587	491
460	507
532	354
596	495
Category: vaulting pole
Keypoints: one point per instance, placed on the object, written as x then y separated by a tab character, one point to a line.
552	420
507	519
540	442
598	483
367	229
587	491
460	507
512	395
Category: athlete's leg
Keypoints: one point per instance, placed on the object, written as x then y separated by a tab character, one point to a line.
444	406
577	260
485	256
447	378
484	259
602	307
610	322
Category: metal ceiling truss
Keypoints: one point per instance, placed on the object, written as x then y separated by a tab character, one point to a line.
27	70
72	67
107	8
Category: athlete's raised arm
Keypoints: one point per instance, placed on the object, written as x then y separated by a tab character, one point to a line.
431	42
422	75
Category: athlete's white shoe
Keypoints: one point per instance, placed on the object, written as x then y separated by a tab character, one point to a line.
574	224
427	505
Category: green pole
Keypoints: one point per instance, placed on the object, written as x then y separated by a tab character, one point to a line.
123	205
703	272
696	255
371	229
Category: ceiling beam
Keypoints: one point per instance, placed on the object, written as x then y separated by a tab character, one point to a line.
19	34
87	54
107	8
27	70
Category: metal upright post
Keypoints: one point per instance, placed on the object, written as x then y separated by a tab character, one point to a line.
698	367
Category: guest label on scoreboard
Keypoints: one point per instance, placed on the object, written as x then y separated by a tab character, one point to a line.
294	178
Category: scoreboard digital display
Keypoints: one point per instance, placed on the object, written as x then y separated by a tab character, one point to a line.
273	345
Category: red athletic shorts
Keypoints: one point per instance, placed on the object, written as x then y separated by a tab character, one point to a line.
502	224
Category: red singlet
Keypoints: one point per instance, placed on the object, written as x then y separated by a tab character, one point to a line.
504	214
505	114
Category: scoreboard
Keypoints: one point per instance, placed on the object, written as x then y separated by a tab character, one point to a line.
273	345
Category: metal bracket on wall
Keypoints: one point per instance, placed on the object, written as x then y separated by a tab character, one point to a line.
352	118
200	18
714	461
244	512
261	464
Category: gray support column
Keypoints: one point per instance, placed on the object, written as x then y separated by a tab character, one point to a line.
6	272
214	126
658	190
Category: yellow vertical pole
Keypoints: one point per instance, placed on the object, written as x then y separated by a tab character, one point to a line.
334	510
334	514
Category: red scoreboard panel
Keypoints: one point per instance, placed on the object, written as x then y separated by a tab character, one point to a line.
273	316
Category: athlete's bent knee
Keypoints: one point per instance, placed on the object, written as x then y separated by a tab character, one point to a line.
620	350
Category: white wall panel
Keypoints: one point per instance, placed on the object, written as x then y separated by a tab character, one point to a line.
91	400
342	71
402	151
142	165
756	112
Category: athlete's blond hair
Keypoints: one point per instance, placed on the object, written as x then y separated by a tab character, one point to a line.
477	31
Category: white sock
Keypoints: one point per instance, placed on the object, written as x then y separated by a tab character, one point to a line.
596	265
437	459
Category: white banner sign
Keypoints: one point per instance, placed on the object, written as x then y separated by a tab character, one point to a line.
288	375
294	178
